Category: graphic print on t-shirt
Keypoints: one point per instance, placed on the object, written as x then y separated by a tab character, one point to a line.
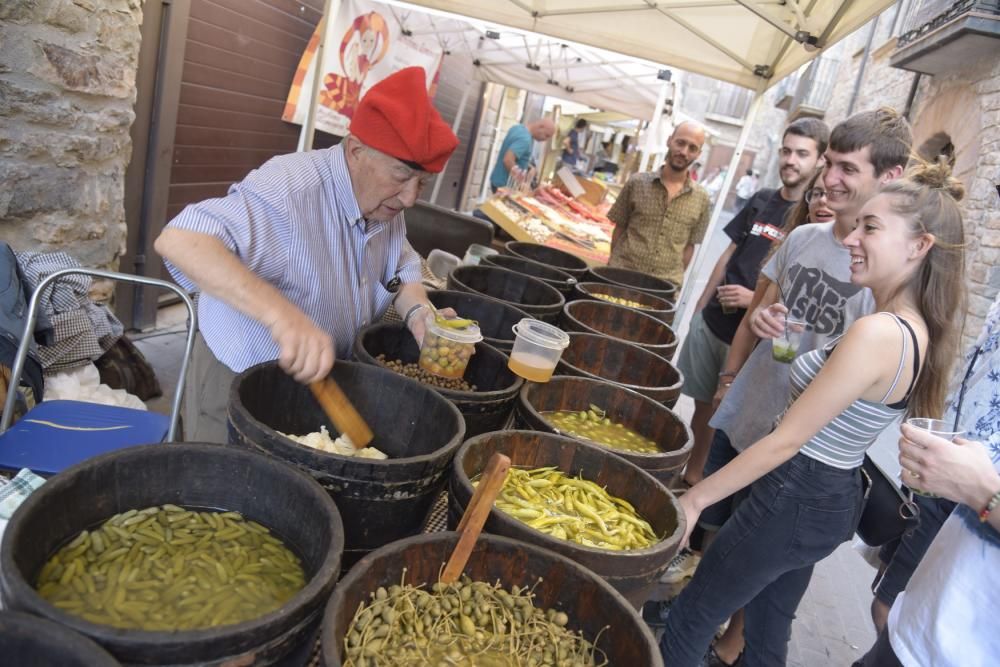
767	230
818	298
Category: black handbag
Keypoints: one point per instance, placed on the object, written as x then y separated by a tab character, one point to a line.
886	513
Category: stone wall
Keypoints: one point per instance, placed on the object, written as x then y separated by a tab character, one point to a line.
67	88
981	206
883	85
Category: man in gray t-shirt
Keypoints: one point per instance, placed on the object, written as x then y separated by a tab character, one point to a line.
812	270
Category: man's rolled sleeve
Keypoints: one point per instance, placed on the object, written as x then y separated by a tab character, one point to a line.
619	211
408	267
251	224
521	147
776	266
698	230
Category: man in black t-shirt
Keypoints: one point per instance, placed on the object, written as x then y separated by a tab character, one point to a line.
752	232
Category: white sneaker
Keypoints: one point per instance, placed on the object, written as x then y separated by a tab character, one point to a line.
681	567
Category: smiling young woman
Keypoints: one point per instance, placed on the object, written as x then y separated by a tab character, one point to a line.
805	486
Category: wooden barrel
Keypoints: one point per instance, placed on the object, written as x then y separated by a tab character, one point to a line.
486	409
615	275
191	475
661	309
531	295
33	640
380	501
594	608
557	278
640	413
562	260
627	324
496	318
635	573
625	364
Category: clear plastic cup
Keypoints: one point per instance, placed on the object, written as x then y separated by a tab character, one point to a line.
475	254
446	351
726	310
537	349
941	429
786	347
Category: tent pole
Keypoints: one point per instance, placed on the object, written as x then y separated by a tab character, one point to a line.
653	131
700	254
308	131
454	128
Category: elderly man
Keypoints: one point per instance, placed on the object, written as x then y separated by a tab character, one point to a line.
661	216
308	249
515	151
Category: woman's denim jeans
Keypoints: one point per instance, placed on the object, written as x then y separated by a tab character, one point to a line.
762	560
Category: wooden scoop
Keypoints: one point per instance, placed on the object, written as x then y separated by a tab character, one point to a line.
341	412
475	515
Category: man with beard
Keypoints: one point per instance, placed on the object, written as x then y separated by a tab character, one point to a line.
752	233
661	216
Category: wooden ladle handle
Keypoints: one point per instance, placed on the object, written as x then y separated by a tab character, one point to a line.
341	412
475	515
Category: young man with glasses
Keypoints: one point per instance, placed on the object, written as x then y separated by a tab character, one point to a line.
308	249
752	233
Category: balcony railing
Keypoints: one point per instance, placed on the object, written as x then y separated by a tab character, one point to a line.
808	92
915	29
961	32
731	101
815	91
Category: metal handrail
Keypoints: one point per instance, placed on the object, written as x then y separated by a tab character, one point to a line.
29	328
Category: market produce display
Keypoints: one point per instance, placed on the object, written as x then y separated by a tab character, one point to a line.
618	300
468	624
342	446
169	568
417	373
550	217
594	425
573	509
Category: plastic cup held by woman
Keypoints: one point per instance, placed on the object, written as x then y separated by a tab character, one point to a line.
786	347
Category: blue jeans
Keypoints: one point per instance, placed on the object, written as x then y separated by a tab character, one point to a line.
721	452
762	561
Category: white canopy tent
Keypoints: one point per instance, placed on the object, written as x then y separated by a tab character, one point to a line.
740	41
751	43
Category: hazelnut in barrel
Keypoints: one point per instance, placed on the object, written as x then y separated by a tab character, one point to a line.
448	345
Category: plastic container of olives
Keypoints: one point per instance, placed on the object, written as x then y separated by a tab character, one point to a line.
446	351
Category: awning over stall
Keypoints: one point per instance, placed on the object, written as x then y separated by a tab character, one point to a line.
739	41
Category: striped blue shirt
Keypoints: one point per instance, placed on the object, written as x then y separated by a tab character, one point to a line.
296	223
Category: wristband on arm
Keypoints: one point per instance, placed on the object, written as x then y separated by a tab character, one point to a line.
411	311
984	514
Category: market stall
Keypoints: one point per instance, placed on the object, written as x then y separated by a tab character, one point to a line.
551	217
192	554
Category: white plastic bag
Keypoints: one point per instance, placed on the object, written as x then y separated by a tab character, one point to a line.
84	384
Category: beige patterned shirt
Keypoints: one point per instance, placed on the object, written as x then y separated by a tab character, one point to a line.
651	230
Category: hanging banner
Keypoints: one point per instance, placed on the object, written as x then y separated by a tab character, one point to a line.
364	44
